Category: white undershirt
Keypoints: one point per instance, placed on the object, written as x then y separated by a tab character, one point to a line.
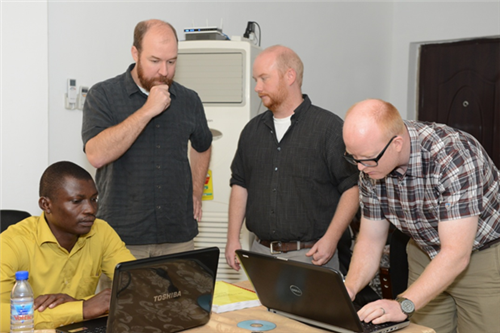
281	125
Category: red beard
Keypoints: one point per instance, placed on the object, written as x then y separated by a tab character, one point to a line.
150	83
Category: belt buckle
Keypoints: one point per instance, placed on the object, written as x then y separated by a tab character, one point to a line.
271	247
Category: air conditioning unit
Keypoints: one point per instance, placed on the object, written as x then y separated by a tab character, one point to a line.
220	71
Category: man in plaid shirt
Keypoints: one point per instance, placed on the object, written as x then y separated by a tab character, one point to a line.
438	185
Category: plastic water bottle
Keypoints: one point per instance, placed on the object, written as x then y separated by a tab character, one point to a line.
21	305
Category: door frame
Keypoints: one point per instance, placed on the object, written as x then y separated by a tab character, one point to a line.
414	71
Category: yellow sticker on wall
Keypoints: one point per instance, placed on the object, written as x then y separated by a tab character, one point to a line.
208	189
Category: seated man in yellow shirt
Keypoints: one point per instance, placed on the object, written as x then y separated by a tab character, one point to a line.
65	250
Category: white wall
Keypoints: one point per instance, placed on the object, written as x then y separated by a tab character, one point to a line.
351	51
24	127
345	48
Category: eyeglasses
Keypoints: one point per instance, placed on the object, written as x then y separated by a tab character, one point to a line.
369	162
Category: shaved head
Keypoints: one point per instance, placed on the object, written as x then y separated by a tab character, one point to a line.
373	117
286	58
371	125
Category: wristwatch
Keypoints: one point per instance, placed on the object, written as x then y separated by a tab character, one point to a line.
407	306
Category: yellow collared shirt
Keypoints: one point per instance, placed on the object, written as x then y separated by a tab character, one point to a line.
30	246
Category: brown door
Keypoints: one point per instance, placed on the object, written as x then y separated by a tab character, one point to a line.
459	85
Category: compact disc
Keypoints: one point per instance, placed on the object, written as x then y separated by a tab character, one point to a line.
256	325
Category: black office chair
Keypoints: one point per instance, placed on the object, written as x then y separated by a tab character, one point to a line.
10	216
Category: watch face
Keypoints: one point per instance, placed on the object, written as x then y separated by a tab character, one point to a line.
407	306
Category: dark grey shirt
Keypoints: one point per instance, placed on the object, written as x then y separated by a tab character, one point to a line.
146	195
293	185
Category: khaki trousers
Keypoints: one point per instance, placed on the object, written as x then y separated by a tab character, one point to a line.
155	250
471	303
146	251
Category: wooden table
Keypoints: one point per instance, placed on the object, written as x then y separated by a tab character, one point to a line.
227	322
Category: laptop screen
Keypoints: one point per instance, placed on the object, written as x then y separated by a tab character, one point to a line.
305	292
168	293
172	294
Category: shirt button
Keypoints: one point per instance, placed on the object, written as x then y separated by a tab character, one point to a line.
158	207
158	166
158	186
279	148
276	169
157	126
158	146
274	190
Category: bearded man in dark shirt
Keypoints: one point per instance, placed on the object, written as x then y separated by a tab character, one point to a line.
289	179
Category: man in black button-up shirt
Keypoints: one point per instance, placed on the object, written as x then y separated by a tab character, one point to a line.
136	129
289	178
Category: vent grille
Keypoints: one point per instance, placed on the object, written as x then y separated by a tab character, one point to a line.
213	232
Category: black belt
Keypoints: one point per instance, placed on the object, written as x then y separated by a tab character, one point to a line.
489	244
278	247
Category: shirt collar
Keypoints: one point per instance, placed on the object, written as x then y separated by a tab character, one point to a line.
133	88
130	85
306	103
415	162
45	235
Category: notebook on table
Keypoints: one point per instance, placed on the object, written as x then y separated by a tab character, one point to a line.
308	293
169	293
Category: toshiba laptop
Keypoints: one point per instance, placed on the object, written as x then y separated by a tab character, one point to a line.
305	292
169	293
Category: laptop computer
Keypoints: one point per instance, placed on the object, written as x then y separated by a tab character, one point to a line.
305	292
169	293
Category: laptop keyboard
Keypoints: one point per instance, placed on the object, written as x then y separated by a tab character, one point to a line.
371	327
100	329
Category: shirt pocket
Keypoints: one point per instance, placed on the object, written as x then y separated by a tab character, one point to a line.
87	287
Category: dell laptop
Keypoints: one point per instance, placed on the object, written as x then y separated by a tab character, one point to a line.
308	293
169	293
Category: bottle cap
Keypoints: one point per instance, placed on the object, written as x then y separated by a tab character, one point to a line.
22	275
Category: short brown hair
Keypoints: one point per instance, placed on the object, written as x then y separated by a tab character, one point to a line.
142	27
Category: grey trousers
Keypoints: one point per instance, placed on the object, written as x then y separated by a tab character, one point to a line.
299	255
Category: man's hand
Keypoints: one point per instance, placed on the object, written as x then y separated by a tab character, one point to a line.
197	212
51	301
322	251
231	258
97	305
158	99
382	311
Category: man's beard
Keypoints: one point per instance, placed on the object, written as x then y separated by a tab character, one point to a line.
150	83
276	99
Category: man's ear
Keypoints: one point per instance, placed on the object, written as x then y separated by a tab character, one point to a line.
45	204
135	53
398	142
291	76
